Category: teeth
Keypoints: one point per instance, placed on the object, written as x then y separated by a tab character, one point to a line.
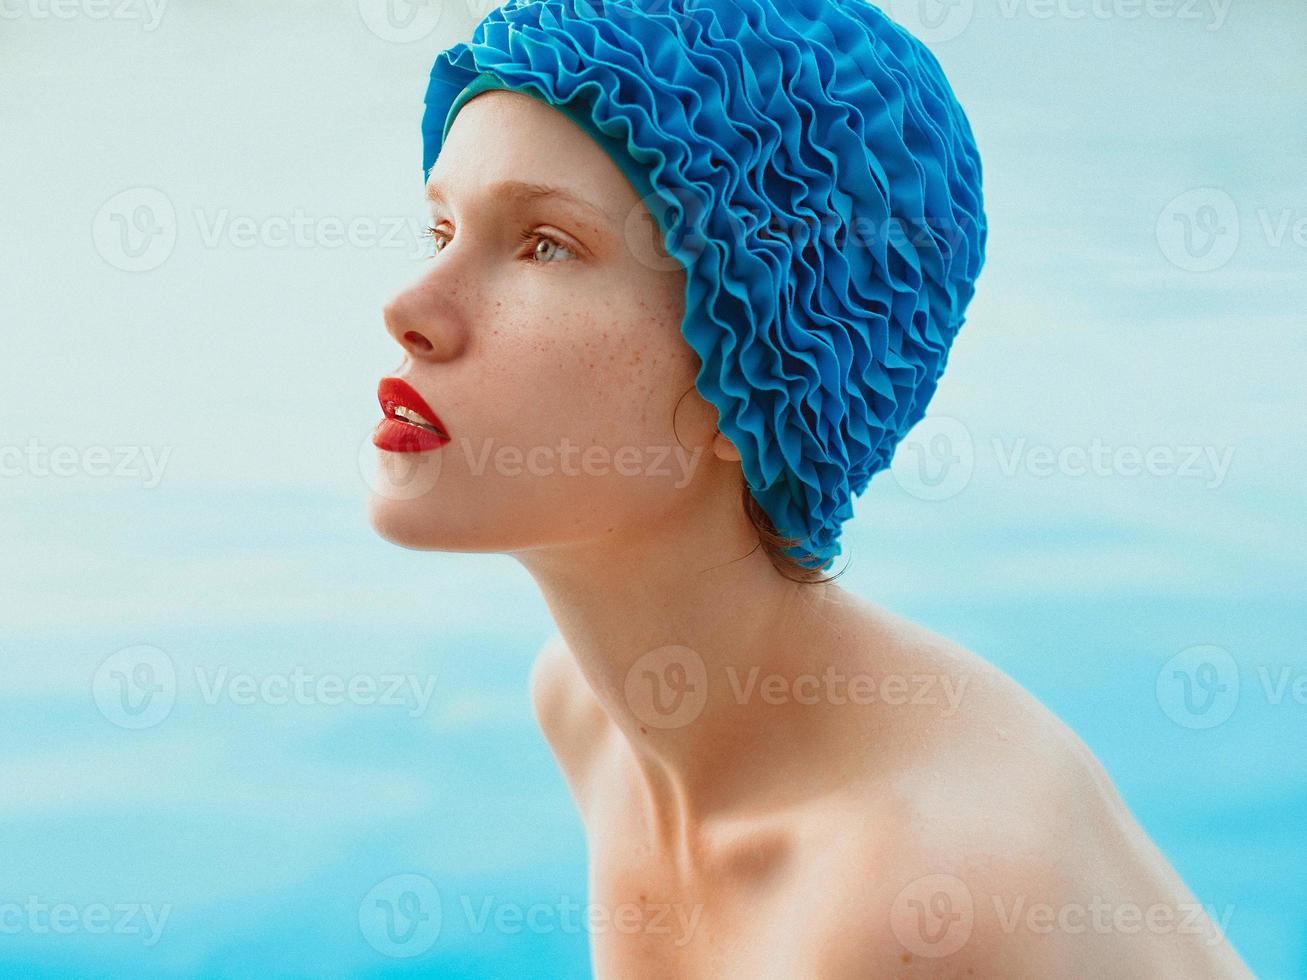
408	415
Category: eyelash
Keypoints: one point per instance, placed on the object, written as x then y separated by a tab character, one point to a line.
526	238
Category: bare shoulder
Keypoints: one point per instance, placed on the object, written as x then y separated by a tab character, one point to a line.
1000	846
570	717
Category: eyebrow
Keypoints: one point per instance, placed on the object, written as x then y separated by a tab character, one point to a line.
523	190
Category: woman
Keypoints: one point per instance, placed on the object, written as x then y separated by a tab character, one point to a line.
695	272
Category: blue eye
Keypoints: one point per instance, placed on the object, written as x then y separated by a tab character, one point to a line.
542	239
439	240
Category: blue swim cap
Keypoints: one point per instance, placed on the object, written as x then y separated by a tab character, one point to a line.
809	166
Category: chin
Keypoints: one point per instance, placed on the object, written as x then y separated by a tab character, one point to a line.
399	522
403	503
414	524
418	524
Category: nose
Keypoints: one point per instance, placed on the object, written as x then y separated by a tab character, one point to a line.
425	322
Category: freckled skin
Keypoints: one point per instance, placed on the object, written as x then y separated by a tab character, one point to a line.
524	353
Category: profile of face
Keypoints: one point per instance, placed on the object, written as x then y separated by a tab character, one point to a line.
544	332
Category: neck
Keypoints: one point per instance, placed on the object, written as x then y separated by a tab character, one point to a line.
676	636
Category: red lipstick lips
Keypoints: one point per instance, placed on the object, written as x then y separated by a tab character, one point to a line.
410	426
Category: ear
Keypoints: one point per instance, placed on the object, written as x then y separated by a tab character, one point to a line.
723	448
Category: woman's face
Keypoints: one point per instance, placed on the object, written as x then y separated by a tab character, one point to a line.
545	334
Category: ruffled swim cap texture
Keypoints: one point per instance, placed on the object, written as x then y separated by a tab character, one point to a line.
809	165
